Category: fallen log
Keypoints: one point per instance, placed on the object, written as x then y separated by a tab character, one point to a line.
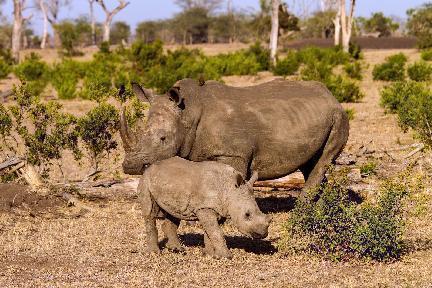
285	184
5	95
10	162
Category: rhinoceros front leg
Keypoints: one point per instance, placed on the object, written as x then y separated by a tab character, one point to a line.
169	227
208	219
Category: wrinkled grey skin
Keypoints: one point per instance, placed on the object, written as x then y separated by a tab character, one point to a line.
273	128
177	189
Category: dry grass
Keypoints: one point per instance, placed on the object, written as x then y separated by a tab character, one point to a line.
103	248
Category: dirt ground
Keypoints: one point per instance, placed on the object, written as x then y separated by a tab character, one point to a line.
101	244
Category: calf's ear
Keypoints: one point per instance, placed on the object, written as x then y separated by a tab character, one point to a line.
175	96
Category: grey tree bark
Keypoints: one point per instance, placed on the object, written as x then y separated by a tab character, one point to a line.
274	30
346	23
18	22
93	22
109	16
44	11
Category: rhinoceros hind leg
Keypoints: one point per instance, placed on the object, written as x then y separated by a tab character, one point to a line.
314	171
208	218
169	227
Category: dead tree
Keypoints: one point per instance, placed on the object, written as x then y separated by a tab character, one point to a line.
274	30
19	19
346	23
93	22
44	10
109	16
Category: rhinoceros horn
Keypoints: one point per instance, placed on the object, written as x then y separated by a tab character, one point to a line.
127	136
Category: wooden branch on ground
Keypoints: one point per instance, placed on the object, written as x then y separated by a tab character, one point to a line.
5	95
10	162
415	151
290	184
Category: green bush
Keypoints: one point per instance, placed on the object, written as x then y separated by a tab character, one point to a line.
326	222
344	89
331	56
69	37
288	65
426	55
97	129
43	128
391	70
412	101
355	50
261	55
350	113
34	72
147	56
368	168
65	76
5	68
353	70
316	70
420	71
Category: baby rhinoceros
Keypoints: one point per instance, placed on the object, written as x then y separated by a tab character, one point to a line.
177	189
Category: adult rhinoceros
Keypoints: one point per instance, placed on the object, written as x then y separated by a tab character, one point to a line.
273	128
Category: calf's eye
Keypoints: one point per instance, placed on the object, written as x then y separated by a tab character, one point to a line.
163	138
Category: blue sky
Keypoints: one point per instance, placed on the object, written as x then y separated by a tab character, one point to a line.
140	10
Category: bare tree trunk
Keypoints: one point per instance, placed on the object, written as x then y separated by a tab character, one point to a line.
274	30
346	24
45	24
93	22
337	23
17	29
109	16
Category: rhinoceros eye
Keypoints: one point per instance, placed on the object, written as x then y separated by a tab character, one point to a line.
163	138
247	215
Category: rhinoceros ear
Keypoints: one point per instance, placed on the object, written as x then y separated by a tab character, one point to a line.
175	96
142	94
239	180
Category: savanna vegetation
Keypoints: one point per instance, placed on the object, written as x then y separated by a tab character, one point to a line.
368	224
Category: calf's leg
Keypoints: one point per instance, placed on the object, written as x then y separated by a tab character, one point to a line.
169	227
150	209
209	221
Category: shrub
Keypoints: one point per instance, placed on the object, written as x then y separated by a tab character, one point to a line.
350	113
331	56
288	65
391	70
420	71
326	222
44	130
344	89
69	37
412	101
65	76
316	70
368	168
353	70
426	55
97	129
355	50
261	55
147	55
34	72
5	68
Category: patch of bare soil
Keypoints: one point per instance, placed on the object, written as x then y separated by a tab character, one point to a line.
103	247
15	198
